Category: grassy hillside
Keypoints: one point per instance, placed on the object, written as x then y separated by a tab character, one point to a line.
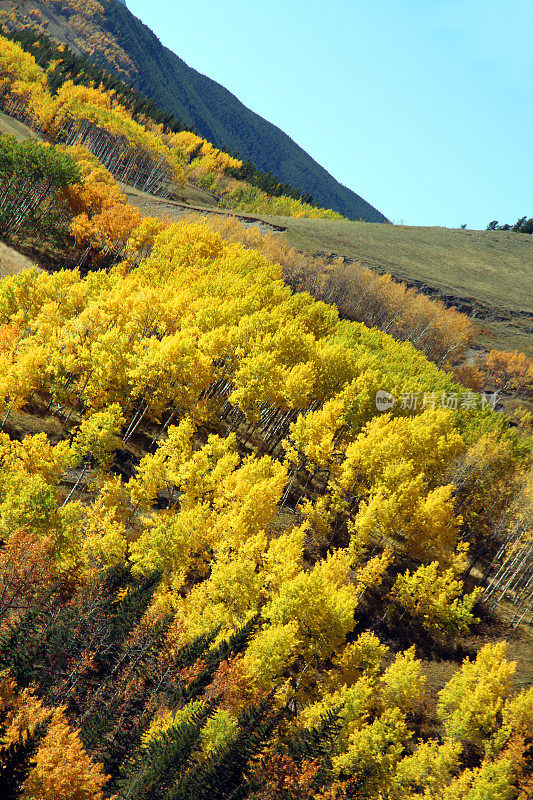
224	572
488	275
200	102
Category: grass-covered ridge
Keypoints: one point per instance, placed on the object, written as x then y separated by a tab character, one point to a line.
486	274
491	266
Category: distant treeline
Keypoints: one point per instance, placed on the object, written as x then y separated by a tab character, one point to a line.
62	64
523	225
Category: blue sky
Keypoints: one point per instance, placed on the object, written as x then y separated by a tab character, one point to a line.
423	107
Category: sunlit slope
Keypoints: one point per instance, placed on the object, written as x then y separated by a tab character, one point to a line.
113	38
489	275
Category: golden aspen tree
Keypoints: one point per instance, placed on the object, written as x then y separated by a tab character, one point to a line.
322	602
427	772
434	597
374	751
511	372
27	500
517	721
313	436
394	460
229	597
35	455
491	781
23	711
471	702
141	241
97	437
22	82
63	770
270	652
363	656
103	527
402	682
284	558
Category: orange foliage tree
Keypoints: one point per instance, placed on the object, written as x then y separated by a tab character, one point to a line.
510	372
103	219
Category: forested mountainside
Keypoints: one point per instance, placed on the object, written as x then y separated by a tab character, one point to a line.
248	549
201	102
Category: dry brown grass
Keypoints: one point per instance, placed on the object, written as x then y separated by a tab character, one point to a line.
12	262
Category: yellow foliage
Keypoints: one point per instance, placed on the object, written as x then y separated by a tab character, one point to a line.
23	711
392	463
96	437
427	770
511	372
322	602
105	538
374	751
353	705
63	770
34	455
284	557
361	657
402	682
490	781
471	701
434	597
270	652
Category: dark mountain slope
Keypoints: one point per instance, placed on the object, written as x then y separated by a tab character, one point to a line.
220	117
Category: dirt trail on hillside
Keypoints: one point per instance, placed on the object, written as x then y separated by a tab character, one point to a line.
15	128
12	261
174	209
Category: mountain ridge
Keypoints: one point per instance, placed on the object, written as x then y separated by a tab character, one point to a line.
213	114
124	45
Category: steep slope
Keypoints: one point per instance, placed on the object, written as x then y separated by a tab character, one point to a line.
199	101
221	118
